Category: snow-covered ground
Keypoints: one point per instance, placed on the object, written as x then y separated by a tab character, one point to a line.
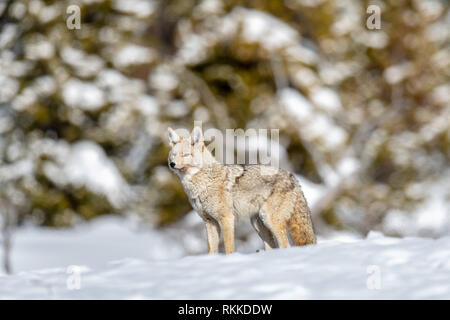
107	259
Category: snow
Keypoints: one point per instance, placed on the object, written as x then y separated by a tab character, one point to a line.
312	191
296	104
430	9
327	99
119	89
140	8
314	125
39	48
302	54
86	164
148	105
347	166
11	67
441	94
368	38
304	77
430	218
45	85
263	28
133	54
397	73
2	7
163	79
334	73
208	7
265	145
84	65
194	50
8	88
323	128
18	169
50	13
8	34
82	94
83	163
177	108
93	244
320	127
250	26
6	124
310	3
110	260
347	17
259	27
438	32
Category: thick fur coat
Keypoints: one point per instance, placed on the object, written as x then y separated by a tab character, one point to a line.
270	197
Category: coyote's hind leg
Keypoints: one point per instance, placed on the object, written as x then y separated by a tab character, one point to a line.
276	226
264	233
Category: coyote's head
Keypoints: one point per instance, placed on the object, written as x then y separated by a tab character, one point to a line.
188	152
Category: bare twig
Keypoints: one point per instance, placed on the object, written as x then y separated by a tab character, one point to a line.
6	229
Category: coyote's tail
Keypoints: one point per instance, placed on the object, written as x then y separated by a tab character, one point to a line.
300	224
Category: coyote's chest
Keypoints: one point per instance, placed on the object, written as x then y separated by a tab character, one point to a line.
206	192
196	191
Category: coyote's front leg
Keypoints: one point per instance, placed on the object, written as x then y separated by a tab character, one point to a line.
226	220
212	231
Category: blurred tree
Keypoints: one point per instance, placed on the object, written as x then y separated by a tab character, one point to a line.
363	114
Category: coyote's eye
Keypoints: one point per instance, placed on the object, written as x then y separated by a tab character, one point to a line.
185	154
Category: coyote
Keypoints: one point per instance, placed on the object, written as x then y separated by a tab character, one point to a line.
269	196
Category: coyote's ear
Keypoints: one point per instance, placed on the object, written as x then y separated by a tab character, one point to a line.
197	135
173	136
